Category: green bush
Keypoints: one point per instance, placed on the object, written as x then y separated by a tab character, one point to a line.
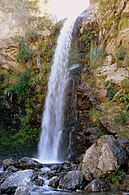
25	52
116	176
120	53
21	87
31	35
111	91
122	118
94	114
124	98
96	57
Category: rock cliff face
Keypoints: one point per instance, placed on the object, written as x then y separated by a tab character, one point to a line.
103	97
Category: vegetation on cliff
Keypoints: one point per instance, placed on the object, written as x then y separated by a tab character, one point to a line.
24	87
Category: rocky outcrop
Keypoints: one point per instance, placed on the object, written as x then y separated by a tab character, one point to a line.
97	185
103	156
72	180
12	182
111	125
28	163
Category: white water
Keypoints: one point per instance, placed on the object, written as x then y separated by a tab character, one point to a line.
52	121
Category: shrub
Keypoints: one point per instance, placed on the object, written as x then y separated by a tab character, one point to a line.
21	87
111	91
96	57
122	118
31	35
120	53
94	114
116	176
25	52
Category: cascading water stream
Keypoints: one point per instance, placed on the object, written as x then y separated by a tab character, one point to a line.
52	121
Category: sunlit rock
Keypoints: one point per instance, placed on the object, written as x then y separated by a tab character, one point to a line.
104	156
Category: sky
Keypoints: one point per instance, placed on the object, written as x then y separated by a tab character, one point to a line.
66	8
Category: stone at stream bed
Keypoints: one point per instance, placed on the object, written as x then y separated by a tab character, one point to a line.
7	163
72	180
39	181
103	156
12	182
28	163
23	187
54	182
97	185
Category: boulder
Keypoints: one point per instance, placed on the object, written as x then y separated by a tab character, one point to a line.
12	182
7	163
23	187
109	123
28	163
28	189
87	175
72	180
39	181
103	156
97	185
54	182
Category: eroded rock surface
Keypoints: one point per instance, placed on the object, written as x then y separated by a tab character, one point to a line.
104	156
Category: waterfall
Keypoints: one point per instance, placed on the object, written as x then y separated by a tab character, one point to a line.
52	121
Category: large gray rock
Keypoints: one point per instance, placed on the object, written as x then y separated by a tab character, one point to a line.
103	156
12	182
28	163
72	180
24	187
97	185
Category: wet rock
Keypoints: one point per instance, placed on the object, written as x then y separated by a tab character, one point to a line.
28	163
28	189
39	181
87	175
7	162
35	191
12	182
23	187
1	170
72	180
97	185
54	182
103	156
11	169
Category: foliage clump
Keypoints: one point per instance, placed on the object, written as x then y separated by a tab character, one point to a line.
25	52
97	56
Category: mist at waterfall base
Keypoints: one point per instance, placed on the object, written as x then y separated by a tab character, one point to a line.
52	121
